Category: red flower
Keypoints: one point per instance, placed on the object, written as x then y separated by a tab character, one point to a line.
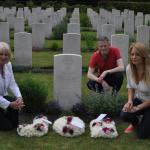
65	129
107	120
69	119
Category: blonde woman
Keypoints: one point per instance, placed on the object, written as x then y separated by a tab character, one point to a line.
9	106
138	84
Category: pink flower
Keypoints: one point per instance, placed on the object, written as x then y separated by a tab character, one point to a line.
106	130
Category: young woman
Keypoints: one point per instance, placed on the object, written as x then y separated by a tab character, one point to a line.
9	106
138	84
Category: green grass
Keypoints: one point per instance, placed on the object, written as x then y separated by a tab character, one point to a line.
46	58
52	141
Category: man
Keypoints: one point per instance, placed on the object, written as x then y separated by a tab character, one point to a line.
105	68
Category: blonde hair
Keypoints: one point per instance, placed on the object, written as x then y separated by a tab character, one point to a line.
143	53
5	47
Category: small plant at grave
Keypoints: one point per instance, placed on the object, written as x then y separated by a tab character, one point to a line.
89	41
96	104
28	29
53	108
132	39
79	109
84	20
58	31
11	34
34	93
54	46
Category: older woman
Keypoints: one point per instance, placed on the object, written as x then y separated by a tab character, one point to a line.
9	106
137	110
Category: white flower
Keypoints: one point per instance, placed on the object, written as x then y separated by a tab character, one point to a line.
103	128
38	128
65	126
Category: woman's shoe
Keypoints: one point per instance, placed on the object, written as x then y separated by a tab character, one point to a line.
129	129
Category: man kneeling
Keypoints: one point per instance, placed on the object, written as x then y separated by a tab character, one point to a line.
105	68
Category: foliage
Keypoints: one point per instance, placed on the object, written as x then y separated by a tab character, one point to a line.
28	29
121	5
84	20
30	4
54	46
53	108
89	41
19	5
97	103
58	31
34	94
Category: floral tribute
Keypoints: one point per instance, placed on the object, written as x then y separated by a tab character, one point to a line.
38	128
69	126
104	128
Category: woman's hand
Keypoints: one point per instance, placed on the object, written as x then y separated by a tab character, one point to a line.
17	104
128	106
134	109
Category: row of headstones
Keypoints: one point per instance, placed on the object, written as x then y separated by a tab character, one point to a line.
36	15
118	18
106	29
72	39
68	66
40	31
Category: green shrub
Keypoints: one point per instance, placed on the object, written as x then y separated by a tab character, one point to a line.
54	46
34	93
19	5
11	34
59	30
84	20
97	104
30	4
89	41
28	29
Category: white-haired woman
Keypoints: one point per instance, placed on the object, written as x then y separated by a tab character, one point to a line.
9	106
138	84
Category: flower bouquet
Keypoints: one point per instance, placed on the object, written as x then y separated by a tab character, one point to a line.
103	128
38	128
69	126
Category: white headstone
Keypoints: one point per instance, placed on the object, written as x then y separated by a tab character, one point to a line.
38	35
121	41
71	43
19	25
23	49
4	32
108	30
67	80
143	34
73	28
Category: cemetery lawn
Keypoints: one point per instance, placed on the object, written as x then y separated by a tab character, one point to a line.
53	141
46	58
